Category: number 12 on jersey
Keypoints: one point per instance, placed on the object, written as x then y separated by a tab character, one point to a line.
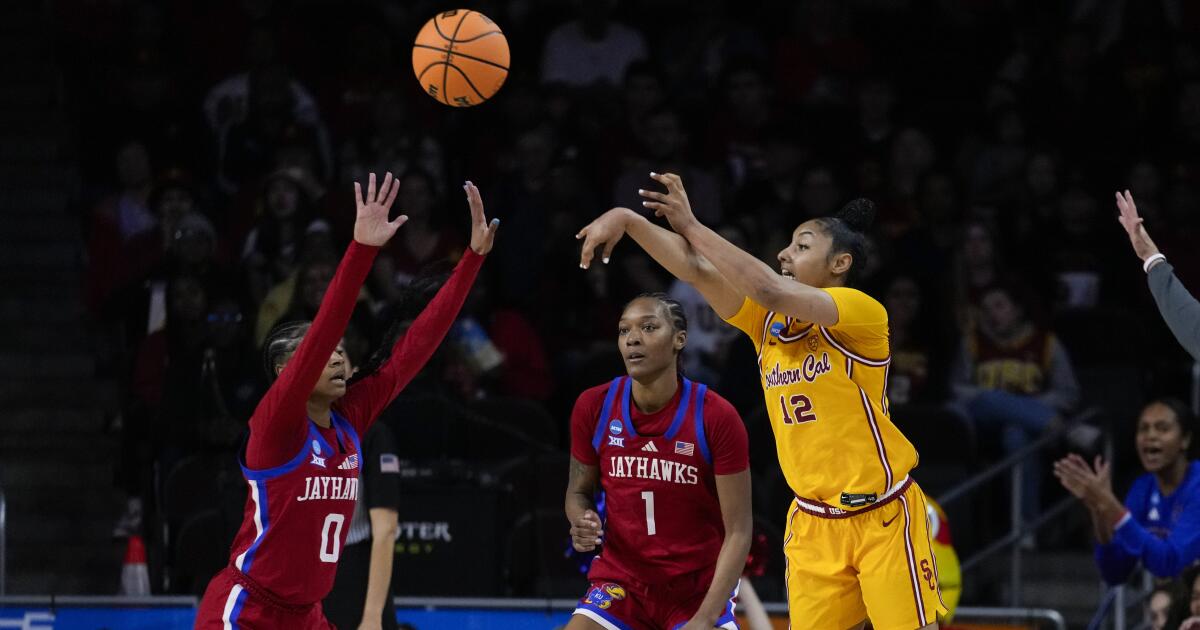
801	407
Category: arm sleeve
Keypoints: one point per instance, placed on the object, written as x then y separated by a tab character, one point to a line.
584	417
862	322
1062	392
1164	558
381	470
1114	563
751	319
726	433
277	424
367	398
1179	309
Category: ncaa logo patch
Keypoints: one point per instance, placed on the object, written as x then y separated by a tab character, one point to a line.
776	329
316	455
316	447
615	427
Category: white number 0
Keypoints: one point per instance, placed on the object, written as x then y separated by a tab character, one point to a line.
334	542
648	497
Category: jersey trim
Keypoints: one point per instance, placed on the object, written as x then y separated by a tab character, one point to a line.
796	337
879	447
762	341
817	508
258	495
701	439
603	619
846	351
912	564
676	422
605	412
233	607
268	473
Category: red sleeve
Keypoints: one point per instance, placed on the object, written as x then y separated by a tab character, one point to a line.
368	397
726	435
277	425
583	424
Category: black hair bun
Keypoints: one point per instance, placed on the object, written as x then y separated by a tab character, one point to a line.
859	214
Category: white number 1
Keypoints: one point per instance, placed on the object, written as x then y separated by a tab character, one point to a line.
648	497
336	543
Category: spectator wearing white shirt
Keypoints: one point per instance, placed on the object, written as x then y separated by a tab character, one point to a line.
592	48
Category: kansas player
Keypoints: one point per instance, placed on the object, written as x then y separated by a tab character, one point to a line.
857	538
672	459
302	458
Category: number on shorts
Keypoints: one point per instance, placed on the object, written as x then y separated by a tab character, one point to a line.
802	408
648	497
332	543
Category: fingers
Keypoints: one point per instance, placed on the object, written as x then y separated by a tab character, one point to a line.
475	202
587	253
672	181
658	208
656	196
358	198
608	249
371	188
391	195
400	220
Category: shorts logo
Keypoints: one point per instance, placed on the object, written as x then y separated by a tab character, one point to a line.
616	441
604	595
615	427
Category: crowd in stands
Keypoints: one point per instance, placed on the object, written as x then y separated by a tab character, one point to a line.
220	140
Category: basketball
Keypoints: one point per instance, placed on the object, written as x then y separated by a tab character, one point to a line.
460	58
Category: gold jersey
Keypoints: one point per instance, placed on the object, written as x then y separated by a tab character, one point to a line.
826	393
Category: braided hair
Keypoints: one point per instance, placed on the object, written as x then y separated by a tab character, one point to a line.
675	314
281	342
848	230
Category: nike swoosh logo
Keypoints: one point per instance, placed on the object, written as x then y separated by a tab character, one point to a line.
889	521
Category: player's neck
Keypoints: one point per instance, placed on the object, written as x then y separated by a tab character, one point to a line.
319	412
653	394
1170	477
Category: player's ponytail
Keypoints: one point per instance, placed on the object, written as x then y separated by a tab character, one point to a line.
675	314
282	341
848	231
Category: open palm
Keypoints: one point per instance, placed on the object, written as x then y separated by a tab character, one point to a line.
1138	237
371	224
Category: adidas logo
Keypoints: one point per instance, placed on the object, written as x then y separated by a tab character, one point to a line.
650	448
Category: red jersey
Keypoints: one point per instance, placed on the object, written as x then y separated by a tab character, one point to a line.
303	478
662	516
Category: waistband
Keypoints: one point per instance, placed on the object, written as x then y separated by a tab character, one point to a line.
817	508
259	592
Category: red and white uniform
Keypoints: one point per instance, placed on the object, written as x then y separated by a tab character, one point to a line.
663	527
303	478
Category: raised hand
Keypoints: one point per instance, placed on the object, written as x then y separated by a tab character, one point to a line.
371	224
483	234
673	204
1138	237
586	532
1087	484
606	231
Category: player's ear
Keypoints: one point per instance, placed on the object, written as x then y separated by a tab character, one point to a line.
680	340
840	263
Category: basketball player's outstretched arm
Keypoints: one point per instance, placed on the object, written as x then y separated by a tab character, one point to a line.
277	425
733	492
749	275
667	248
367	398
1178	307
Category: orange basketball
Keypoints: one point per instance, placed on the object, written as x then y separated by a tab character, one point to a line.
460	57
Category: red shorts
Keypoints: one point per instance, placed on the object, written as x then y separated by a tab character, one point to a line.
232	602
628	605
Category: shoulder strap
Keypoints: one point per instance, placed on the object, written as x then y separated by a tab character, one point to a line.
701	439
605	412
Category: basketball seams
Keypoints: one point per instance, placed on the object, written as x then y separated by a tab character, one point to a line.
466	78
449	50
463	55
477	37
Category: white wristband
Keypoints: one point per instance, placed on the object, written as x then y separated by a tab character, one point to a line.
1150	261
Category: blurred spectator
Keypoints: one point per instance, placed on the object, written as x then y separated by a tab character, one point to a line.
914	372
1185	609
709	337
1013	376
273	246
1158	526
1158	606
118	223
976	267
664	149
423	240
393	143
591	49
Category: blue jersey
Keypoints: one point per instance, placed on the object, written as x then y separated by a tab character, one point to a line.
1161	531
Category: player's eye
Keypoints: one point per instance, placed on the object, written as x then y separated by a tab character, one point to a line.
649	327
622	331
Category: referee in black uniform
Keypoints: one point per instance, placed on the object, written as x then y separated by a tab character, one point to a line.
362	590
